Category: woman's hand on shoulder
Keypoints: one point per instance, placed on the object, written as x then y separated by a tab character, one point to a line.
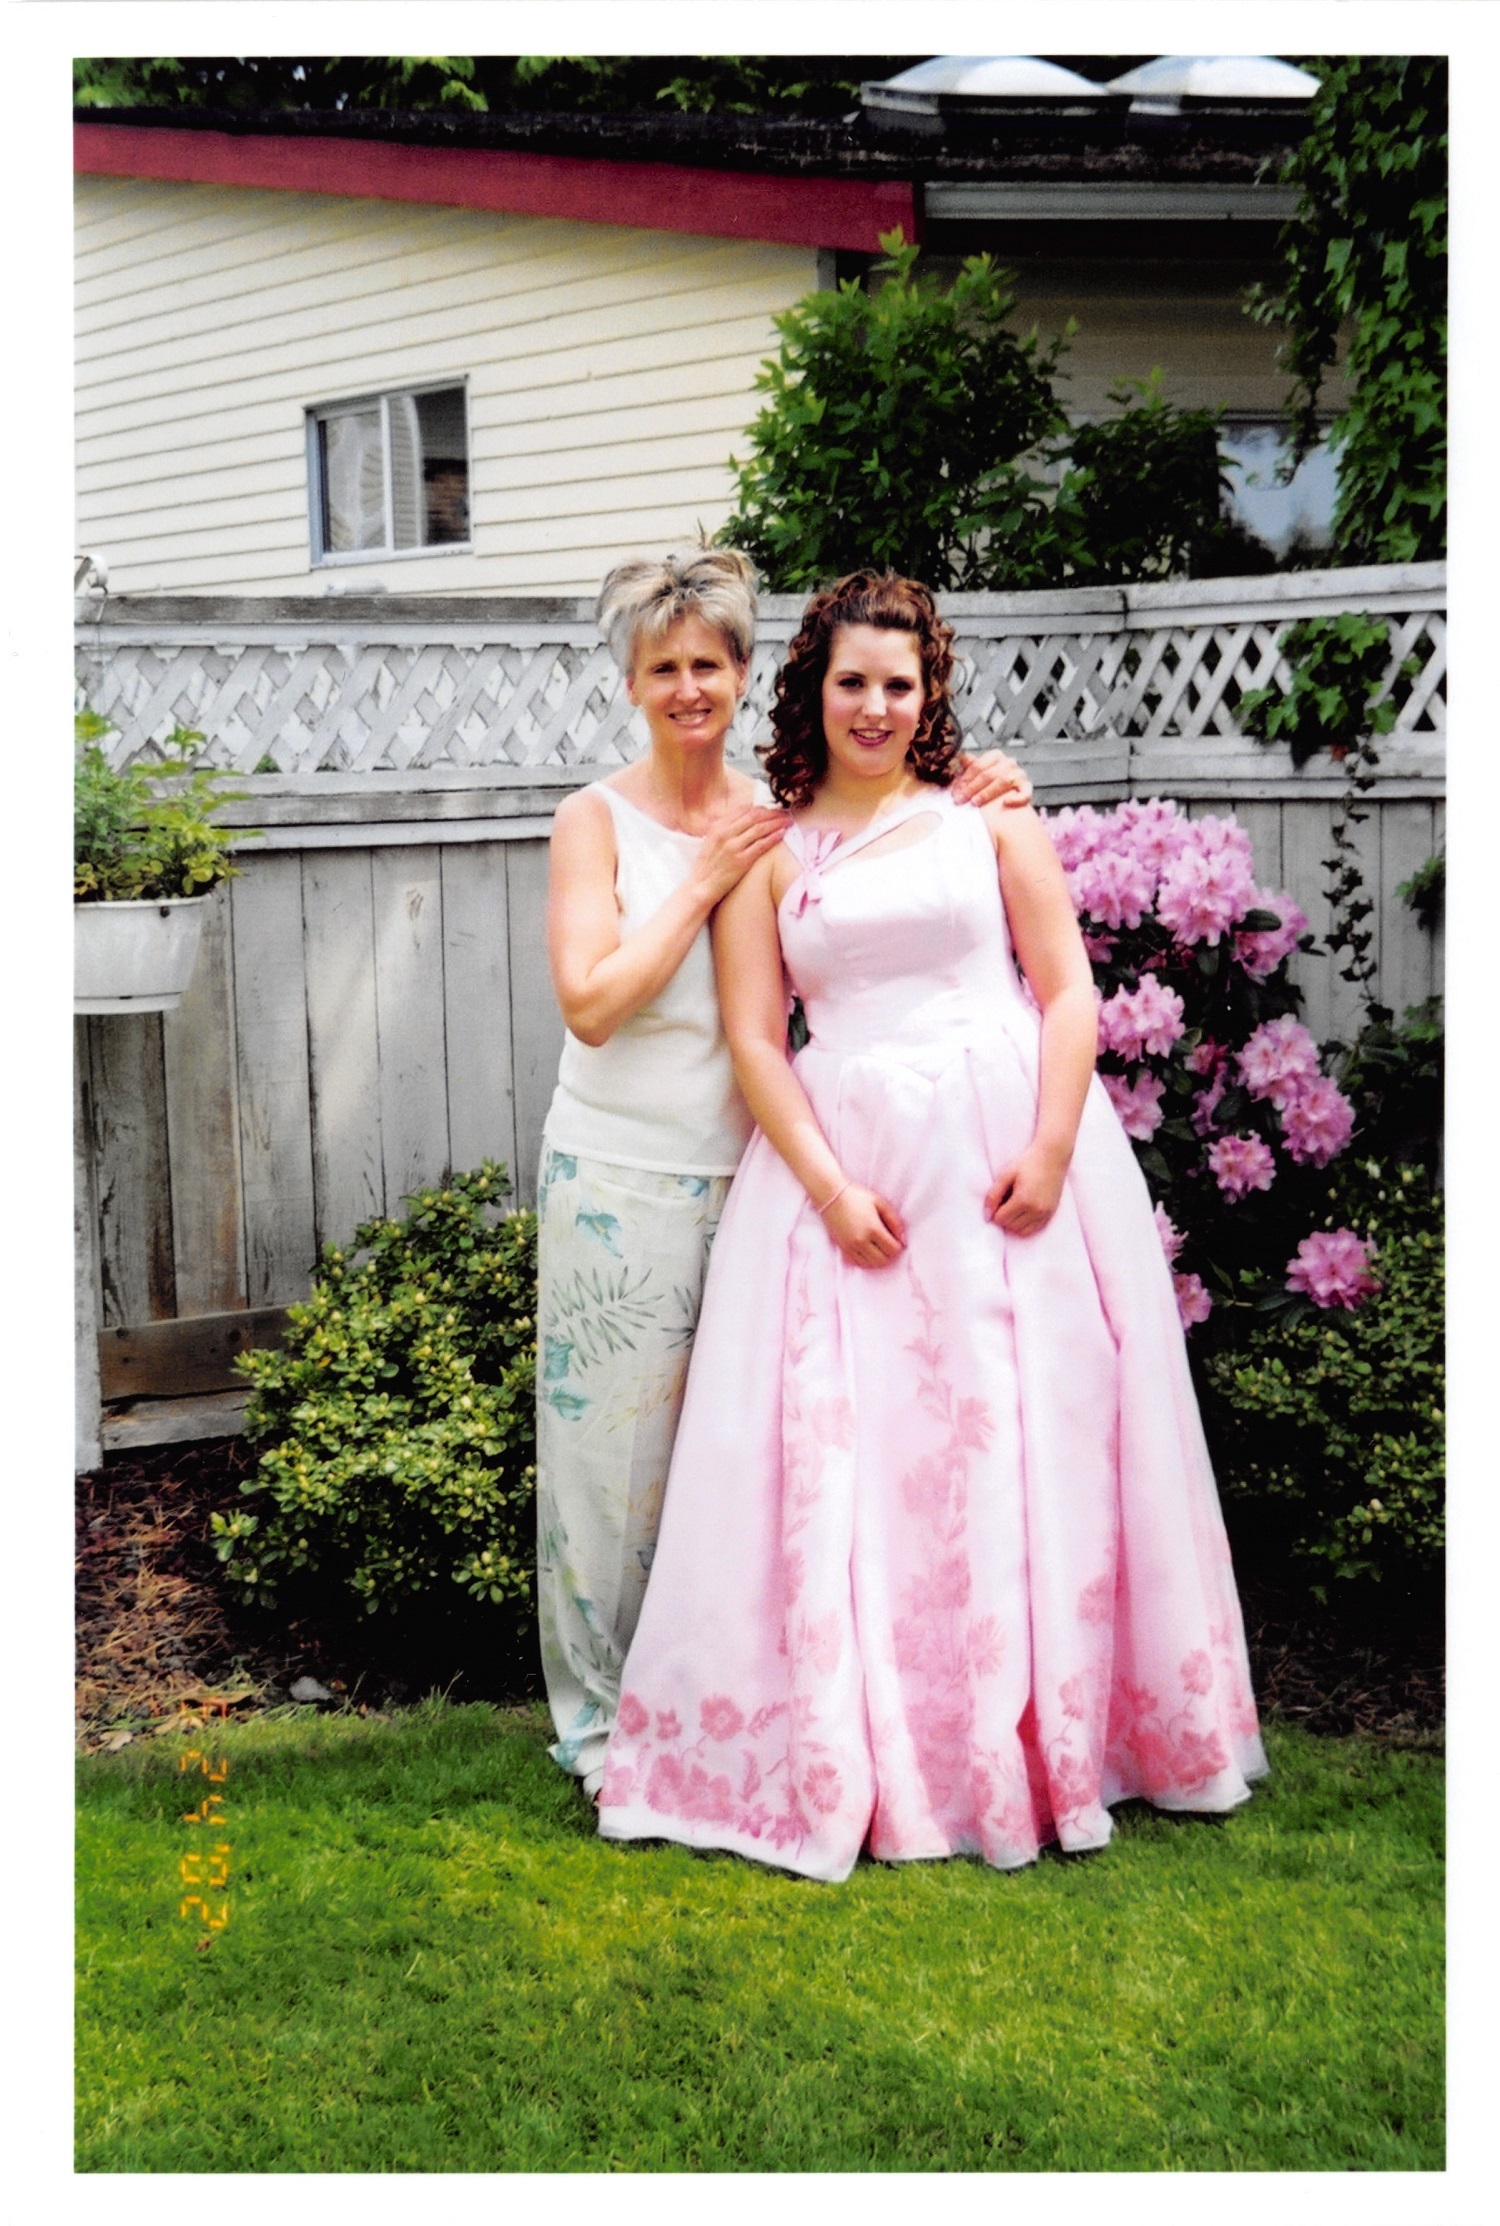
990	778
741	834
866	1227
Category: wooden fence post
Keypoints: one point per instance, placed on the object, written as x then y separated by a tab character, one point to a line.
88	1450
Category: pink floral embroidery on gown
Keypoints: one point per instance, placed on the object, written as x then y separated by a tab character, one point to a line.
941	1567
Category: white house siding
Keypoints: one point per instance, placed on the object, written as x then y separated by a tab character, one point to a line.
610	375
1185	317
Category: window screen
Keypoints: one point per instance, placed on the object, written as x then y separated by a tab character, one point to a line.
390	472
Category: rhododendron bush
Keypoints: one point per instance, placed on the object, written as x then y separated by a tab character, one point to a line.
1310	1276
1216	1081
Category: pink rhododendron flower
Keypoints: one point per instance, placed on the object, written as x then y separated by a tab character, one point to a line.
1317	1121
1226	836
1261	950
1171	1236
1205	1104
1113	888
1155	830
1077	831
1207	887
1137	1103
1099	944
1145	1019
1277	1059
1332	1267
1241	1163
1193	1301
1207	1057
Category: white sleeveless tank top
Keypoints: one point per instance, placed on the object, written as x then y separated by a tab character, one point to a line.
661	1093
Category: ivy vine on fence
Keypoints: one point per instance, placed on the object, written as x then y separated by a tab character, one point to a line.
1364	259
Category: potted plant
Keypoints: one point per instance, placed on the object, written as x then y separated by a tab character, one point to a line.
146	854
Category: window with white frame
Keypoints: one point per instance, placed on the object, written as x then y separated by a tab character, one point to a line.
389	473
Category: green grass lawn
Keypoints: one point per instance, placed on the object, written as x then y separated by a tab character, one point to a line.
431	1964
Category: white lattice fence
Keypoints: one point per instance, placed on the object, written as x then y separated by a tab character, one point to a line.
302	689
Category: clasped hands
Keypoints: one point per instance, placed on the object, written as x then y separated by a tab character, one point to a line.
1022	1199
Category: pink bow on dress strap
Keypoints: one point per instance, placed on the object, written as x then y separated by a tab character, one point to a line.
817	845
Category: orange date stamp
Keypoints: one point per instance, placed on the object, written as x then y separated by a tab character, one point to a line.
205	1864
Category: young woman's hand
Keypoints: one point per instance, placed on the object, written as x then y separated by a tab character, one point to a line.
733	843
1024	1196
991	778
866	1228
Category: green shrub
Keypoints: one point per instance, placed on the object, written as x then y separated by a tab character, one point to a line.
1333	1420
147	830
911	425
398	1414
1144	494
906	427
1394	1074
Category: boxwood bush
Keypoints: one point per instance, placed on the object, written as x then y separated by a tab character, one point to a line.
396	1420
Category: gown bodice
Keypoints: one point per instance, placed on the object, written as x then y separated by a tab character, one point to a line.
906	951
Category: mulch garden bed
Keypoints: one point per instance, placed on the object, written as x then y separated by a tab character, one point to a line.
159	1633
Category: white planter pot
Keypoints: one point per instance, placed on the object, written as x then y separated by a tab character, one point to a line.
135	957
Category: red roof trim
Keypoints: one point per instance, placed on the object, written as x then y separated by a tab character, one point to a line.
657	196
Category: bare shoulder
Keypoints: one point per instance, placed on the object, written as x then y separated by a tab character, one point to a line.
1027	857
582	810
1015	829
783	869
756	891
583	833
769	876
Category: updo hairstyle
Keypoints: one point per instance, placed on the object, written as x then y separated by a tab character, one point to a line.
644	597
796	761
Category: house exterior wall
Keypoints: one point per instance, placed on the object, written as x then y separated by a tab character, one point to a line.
610	374
1185	316
1141	301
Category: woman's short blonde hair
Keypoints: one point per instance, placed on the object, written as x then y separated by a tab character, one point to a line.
643	597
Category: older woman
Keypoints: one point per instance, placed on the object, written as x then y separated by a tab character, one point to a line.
647	1124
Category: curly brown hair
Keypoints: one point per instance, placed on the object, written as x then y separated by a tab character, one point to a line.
797	759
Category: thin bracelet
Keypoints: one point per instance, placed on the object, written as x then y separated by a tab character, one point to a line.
838	1194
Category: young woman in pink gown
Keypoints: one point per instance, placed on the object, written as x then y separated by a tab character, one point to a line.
941	1567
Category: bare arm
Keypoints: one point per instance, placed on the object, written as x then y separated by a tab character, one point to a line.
601	978
1024	1196
747	955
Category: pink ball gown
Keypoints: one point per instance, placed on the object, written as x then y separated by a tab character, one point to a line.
941	1567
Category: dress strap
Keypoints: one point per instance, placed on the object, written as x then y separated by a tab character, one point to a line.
815	847
633	825
812	847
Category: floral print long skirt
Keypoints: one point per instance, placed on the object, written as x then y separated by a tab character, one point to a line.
621	1256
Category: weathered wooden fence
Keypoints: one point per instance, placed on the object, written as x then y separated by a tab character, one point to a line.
372	1005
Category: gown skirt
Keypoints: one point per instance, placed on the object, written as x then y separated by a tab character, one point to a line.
941	1567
